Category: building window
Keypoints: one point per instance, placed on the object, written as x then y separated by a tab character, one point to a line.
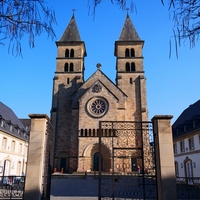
188	169
127	67
13	165
68	80
182	146
132	66
4	143
175	149
1	122
66	67
132	52
191	143
11	127
131	81
72	53
13	145
71	67
20	148
127	53
67	53
176	169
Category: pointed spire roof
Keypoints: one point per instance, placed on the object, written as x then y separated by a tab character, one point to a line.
129	32
71	33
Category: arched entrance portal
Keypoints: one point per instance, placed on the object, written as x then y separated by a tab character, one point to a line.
90	159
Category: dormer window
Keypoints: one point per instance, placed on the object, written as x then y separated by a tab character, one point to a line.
1	122
10	127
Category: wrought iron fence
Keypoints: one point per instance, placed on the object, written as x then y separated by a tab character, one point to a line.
132	161
12	187
188	188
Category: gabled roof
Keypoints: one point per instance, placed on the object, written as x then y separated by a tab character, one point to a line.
7	114
71	33
102	78
188	114
129	32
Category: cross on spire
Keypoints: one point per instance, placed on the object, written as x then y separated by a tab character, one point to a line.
127	9
73	10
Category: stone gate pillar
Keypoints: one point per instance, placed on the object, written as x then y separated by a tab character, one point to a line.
40	158
165	170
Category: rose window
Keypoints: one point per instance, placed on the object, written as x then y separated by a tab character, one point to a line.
97	107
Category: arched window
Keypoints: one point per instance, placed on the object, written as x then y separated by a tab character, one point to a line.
176	169
72	53
131	81
188	170
66	67
19	168
68	80
127	67
132	52
132	66
7	166
127	53
67	53
71	69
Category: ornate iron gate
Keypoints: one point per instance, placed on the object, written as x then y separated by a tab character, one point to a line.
132	167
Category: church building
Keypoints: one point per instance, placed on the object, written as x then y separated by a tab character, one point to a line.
78	104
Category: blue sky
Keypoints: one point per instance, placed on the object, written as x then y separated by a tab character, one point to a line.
172	84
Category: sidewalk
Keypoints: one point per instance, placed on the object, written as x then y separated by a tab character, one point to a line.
74	188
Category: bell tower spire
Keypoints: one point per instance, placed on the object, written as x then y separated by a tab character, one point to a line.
69	76
130	73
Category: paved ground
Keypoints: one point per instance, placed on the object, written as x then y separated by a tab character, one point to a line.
74	189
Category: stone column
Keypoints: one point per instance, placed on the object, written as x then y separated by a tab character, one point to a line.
165	170
36	168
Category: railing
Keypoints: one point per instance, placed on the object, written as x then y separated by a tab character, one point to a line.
12	187
188	188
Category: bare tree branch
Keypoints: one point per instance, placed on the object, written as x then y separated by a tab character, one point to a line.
184	13
24	17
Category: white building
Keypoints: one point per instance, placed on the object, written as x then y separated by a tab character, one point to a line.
186	138
13	143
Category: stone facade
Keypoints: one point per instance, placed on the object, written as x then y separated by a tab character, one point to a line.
79	105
